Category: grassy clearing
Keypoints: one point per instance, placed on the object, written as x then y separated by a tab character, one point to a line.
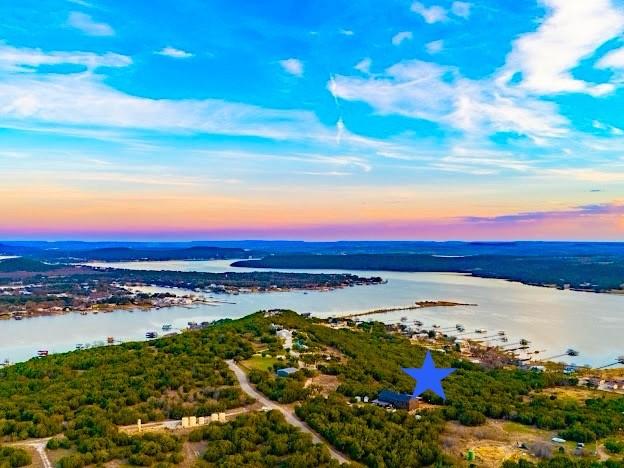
259	363
515	428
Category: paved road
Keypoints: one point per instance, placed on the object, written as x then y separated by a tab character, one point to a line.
288	413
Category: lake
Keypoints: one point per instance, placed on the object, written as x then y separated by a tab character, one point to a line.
553	320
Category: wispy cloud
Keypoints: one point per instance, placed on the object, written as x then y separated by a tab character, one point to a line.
598	209
364	65
83	102
399	37
24	59
174	53
88	25
293	66
81	3
434	47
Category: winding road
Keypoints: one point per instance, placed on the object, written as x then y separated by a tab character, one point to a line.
288	413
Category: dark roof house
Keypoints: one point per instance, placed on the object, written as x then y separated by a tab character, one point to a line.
398	400
287	371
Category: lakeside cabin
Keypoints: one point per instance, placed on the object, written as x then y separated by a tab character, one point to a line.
397	400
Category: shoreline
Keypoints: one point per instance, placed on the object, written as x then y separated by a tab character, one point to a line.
461	273
188	301
477	348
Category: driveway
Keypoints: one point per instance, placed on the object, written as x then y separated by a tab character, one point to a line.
288	413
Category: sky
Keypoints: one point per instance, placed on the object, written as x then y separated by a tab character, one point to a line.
209	119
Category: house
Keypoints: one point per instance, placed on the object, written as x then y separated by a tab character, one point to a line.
398	400
286	372
595	382
284	334
612	385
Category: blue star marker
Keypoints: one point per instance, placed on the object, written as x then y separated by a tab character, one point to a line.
428	377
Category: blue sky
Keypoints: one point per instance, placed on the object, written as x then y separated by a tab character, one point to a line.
398	119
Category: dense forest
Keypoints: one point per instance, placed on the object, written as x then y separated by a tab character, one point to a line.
261	440
12	457
590	272
164	379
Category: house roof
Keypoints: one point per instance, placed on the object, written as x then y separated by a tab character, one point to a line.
387	395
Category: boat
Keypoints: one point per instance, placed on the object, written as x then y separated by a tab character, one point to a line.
418	323
151	334
79	346
403	319
42	352
480	330
167	326
18	317
83	312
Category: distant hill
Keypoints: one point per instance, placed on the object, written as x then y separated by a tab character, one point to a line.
10	265
6	249
111	254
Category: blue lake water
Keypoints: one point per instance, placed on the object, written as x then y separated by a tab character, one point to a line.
551	319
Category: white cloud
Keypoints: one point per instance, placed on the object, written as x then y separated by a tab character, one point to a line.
432	92
346	32
292	66
477	160
613	59
481	107
461	9
24	60
434	47
87	25
364	65
433	14
542	61
414	89
174	53
401	36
